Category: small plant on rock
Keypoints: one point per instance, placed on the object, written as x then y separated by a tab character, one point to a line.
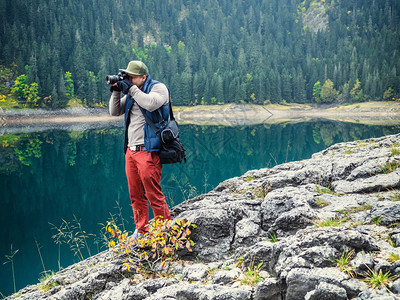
330	222
261	192
395	151
239	262
321	202
351	210
343	262
396	196
394	257
389	167
379	279
249	178
323	190
272	237
161	244
46	284
377	220
252	275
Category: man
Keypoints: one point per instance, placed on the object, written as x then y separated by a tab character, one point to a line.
142	163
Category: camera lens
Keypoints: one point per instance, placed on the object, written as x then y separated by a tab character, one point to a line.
111	79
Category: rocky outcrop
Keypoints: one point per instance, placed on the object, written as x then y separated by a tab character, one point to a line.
290	226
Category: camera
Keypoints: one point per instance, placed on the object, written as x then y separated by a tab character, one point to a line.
111	79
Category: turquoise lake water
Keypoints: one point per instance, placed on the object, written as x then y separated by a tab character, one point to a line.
54	178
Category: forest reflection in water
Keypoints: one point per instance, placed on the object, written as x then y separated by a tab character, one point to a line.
55	177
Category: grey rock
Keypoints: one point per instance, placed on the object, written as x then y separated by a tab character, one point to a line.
195	272
382	265
124	290
366	167
269	289
246	228
235	220
153	285
396	239
302	281
380	294
287	210
395	268
326	291
226	276
388	212
203	292
375	183
362	263
214	232
308	248
396	286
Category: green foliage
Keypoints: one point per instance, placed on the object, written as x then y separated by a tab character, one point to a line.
249	178
388	94
26	94
395	151
46	282
317	92
273	238
377	220
19	87
379	279
356	92
351	210
328	93
7	76
29	147
321	202
69	85
252	276
394	257
389	167
239	262
323	190
343	262
140	54
396	196
205	50
330	222
261	192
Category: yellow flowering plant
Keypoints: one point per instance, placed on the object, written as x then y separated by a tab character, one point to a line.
164	242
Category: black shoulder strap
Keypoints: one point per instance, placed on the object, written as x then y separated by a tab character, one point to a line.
159	116
150	122
171	113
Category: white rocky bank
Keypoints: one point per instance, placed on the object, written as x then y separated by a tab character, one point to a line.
357	184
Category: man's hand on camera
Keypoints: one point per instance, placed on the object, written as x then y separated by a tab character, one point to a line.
124	85
114	87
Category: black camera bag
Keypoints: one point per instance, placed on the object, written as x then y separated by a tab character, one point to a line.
172	150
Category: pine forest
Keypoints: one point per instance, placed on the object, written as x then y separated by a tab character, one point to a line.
206	51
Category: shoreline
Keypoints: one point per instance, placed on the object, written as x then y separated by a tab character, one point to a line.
374	113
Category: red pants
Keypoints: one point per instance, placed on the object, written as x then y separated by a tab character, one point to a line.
143	171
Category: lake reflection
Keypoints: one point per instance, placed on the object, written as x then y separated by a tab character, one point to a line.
56	178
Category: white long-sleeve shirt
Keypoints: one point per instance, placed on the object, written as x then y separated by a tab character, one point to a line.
157	97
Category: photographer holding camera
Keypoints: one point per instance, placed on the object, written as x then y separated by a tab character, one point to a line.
142	163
